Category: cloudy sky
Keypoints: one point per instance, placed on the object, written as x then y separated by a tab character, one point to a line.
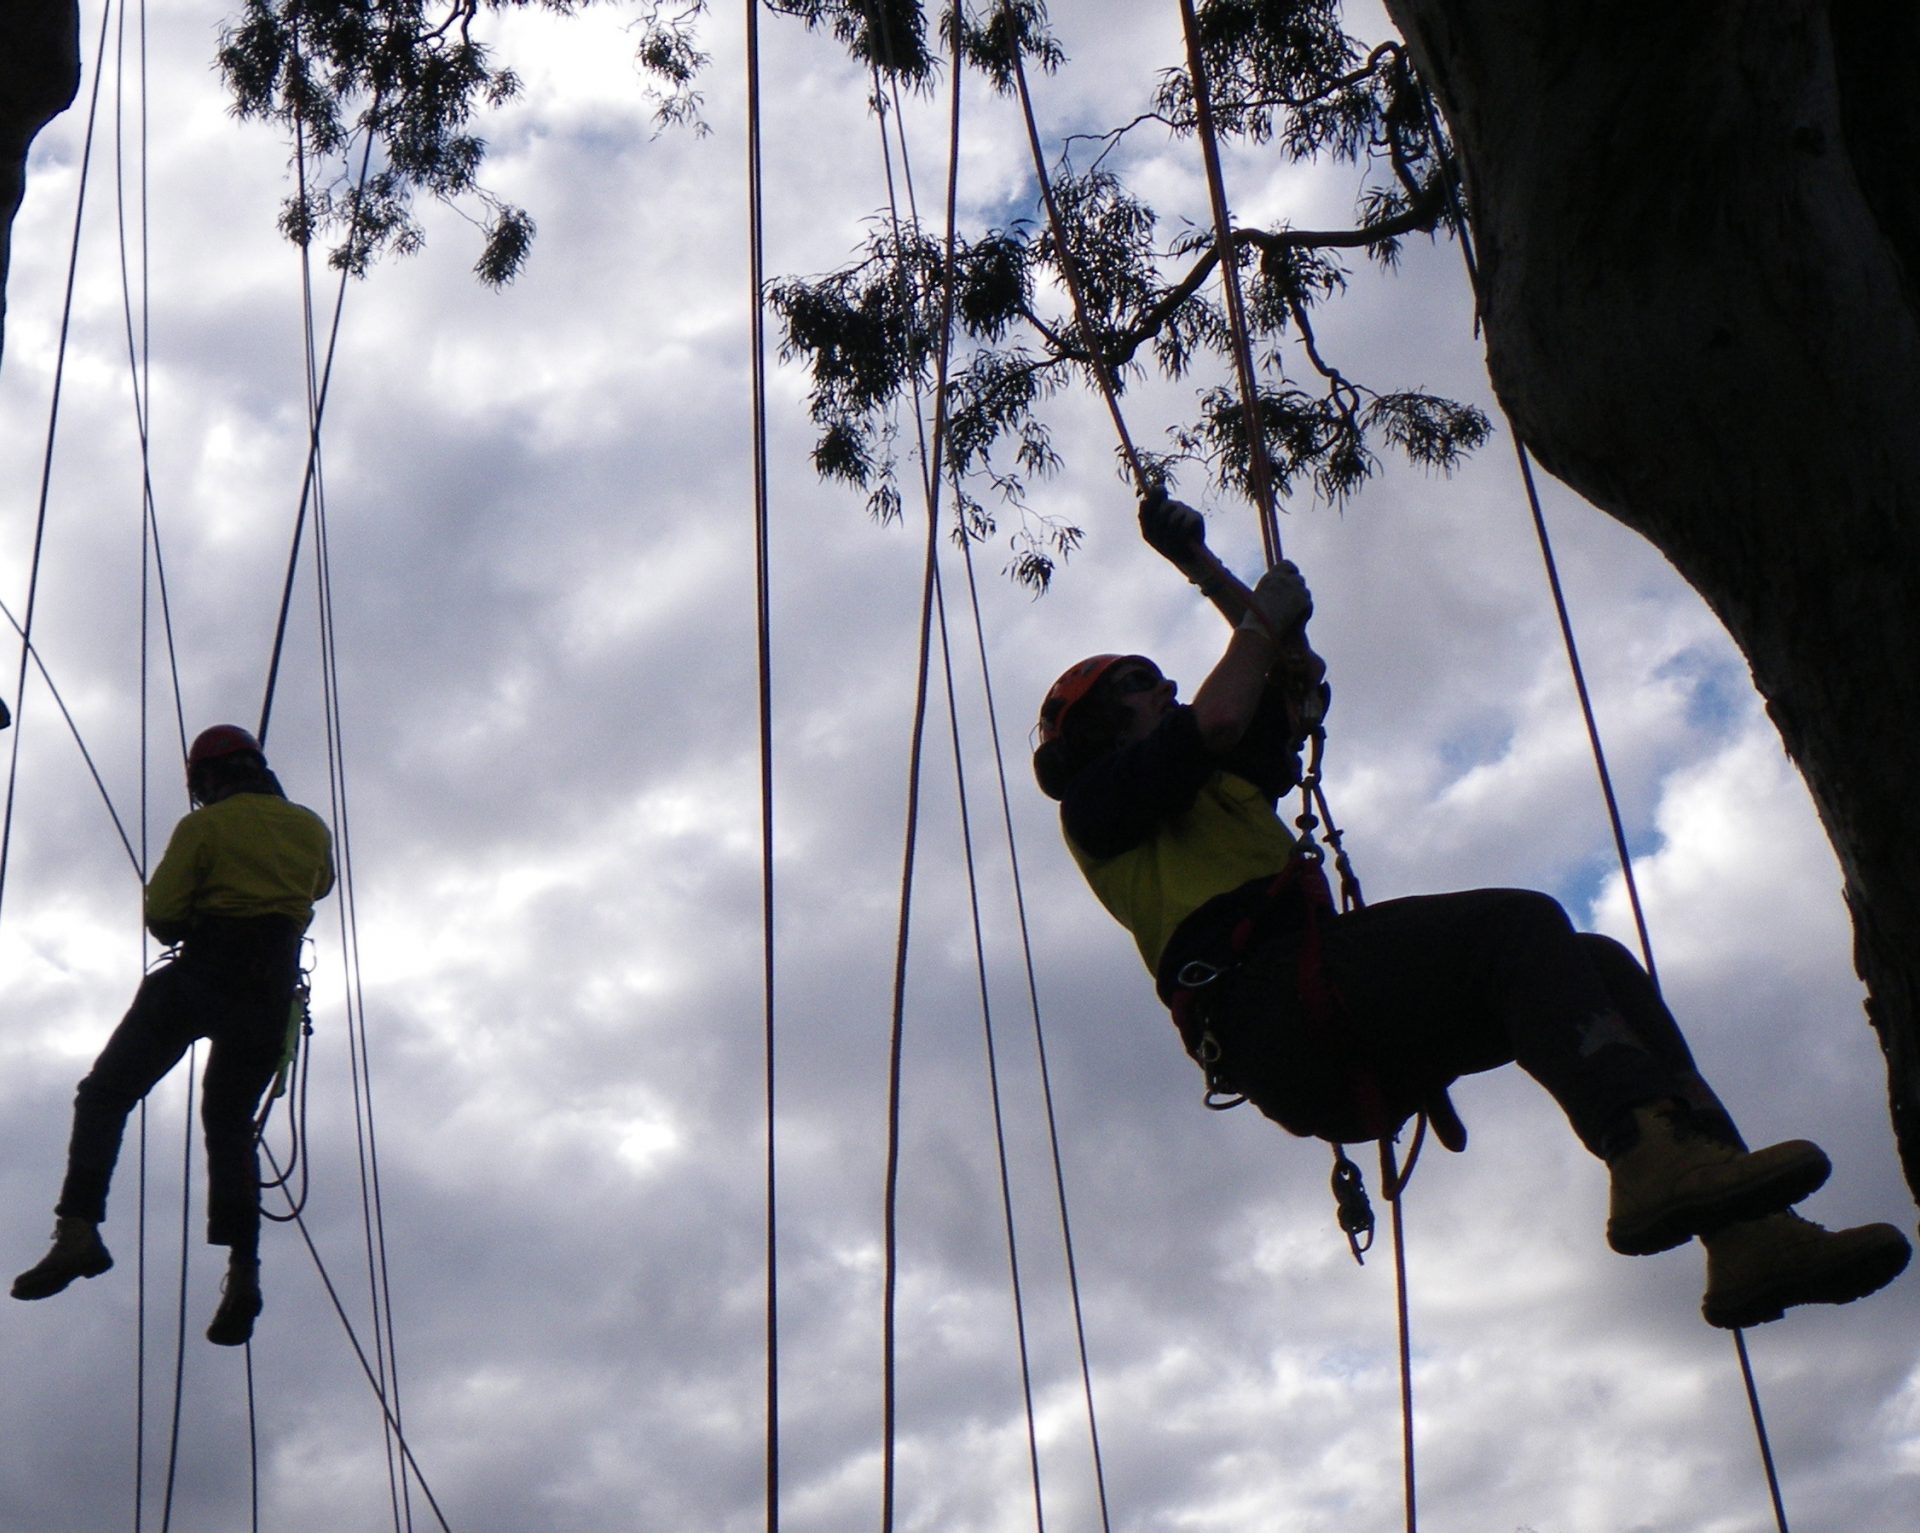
540	522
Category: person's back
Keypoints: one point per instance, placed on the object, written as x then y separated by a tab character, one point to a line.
251	853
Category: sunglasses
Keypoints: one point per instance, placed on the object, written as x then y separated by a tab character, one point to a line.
1139	679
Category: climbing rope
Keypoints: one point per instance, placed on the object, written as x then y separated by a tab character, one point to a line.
763	671
153	572
1258	468
180	1311
1096	357
1450	176
373	1378
46	464
1039	1039
910	839
931	458
317	390
1393	1183
992	1059
1354	1218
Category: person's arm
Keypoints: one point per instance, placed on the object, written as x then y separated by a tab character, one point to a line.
1225	702
1278	609
170	891
1177	533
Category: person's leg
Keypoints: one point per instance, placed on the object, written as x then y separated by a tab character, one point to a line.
1451	984
149	1041
245	1053
241	1061
1438	986
1638	1001
158	1028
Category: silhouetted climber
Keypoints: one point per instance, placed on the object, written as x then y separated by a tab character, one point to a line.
1343	1025
235	891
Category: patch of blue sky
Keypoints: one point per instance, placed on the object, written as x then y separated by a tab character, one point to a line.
1580	890
1718	694
1353	1363
1485	737
1020	204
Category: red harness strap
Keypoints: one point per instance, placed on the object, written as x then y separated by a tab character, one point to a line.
1299	899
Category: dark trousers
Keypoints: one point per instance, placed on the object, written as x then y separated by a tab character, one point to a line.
1438	986
232	985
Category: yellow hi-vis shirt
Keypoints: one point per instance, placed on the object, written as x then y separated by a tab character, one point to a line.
1228	836
252	854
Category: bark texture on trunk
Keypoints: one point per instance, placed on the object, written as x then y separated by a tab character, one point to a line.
1699	239
39	77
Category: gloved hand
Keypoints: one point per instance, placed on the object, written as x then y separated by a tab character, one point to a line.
1173	529
1281	602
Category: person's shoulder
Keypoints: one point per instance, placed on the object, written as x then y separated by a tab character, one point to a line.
302	813
268	806
195	822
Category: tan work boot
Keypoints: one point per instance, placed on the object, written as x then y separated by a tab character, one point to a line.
1760	1268
1672	1184
77	1252
240	1303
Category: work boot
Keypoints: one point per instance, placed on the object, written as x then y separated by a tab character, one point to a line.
240	1303
1673	1184
77	1252
1760	1268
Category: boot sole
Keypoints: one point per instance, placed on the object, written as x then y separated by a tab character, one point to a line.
234	1328
1680	1221
1854	1276
47	1287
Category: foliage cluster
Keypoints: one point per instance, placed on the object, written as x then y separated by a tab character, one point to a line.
383	94
398	80
1281	72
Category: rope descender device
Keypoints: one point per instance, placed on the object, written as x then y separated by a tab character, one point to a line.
1351	1206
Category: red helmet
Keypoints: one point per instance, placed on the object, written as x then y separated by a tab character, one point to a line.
1074	684
220	741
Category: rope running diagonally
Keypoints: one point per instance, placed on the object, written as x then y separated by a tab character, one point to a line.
312	506
890	1220
366	1135
1394	1176
360	1353
931	459
317	393
1259	470
46	464
992	1058
138	354
1040	1044
931	455
1450	174
1090	337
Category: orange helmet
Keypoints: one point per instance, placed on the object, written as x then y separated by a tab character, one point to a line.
1074	684
220	741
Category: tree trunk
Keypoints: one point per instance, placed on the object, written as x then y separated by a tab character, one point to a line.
1697	231
39	77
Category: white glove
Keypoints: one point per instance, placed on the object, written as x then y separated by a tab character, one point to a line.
1281	602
